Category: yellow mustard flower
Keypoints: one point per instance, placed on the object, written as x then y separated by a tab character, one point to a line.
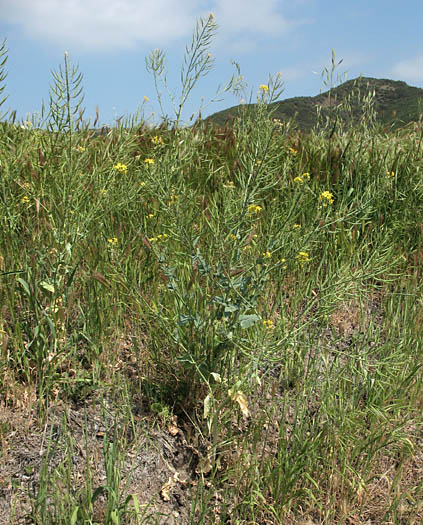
326	197
80	149
160	237
302	178
297	227
230	185
254	208
146	99
25	199
264	87
149	161
173	199
150	216
157	140
293	151
303	258
268	323
267	254
121	168
112	240
142	183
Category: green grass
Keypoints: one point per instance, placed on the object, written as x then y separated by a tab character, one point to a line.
249	295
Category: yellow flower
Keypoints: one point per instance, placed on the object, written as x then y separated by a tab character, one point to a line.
303	258
122	168
80	149
268	323
146	99
264	87
302	178
283	263
149	161
142	183
326	197
253	208
157	140
160	237
173	198
112	240
25	199
297	226
229	185
267	254
150	215
293	151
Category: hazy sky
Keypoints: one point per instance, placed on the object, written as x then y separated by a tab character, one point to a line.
109	40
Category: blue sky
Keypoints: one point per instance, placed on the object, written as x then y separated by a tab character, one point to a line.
109	40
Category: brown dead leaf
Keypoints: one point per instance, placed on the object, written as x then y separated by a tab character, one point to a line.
172	426
166	490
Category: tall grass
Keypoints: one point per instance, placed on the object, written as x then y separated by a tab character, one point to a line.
262	285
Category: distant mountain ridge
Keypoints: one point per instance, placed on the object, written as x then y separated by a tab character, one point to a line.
396	103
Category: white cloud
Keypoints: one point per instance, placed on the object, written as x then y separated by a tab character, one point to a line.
245	24
102	25
410	69
114	25
249	16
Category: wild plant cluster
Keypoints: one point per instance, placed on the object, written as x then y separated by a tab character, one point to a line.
252	288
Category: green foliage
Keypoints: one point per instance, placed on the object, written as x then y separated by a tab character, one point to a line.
66	98
197	63
262	286
396	104
3	75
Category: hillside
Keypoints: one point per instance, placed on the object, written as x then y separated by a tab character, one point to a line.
396	103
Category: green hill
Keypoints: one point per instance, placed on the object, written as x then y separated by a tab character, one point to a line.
395	103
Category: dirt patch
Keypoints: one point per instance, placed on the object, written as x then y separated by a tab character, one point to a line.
157	465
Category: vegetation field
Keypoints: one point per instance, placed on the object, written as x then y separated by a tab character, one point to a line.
396	104
210	325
